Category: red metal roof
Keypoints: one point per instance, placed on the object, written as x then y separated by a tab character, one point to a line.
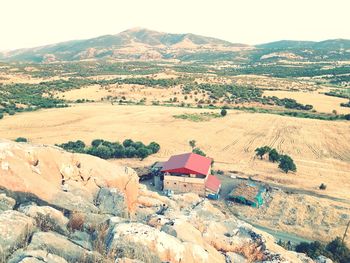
188	163
213	183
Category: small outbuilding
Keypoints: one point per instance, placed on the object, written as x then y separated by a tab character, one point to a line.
248	194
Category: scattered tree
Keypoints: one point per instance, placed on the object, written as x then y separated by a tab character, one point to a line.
261	151
323	186
192	144
287	164
154	147
223	112
198	151
274	155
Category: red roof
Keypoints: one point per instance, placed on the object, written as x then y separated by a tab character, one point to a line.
213	183
188	163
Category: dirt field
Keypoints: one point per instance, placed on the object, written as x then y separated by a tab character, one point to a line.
321	149
129	91
321	102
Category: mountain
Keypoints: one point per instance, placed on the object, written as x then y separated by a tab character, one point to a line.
292	44
137	43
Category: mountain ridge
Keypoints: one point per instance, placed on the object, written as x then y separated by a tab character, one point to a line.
145	44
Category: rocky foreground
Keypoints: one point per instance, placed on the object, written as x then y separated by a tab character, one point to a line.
62	207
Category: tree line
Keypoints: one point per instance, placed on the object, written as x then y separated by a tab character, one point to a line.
108	150
285	162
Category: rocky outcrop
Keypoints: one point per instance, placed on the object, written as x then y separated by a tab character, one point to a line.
15	229
61	207
64	180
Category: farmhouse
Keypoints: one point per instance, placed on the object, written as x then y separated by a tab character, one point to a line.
248	194
190	172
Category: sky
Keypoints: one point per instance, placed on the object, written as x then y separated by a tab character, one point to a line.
30	23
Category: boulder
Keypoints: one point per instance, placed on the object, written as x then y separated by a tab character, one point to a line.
33	256
82	239
6	203
15	229
61	246
111	201
46	217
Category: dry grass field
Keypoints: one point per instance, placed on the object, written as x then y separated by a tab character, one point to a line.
321	102
321	149
311	217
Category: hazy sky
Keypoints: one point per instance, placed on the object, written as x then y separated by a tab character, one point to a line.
28	23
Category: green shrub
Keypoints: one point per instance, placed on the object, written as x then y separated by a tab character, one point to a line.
128	143
323	186
223	112
101	151
143	152
130	152
77	146
21	139
335	250
154	147
97	142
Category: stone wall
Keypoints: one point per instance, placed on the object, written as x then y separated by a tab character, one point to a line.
181	184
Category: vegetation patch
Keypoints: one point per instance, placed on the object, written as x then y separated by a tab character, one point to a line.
285	162
198	117
335	250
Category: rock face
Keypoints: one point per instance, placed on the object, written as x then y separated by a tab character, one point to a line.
15	229
66	180
111	201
